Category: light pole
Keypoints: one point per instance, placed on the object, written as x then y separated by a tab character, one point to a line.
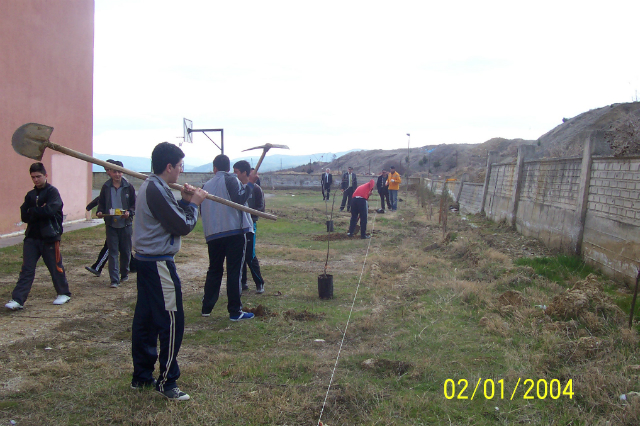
408	152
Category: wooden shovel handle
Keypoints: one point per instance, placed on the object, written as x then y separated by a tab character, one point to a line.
90	159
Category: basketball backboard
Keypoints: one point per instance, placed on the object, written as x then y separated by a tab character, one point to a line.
187	126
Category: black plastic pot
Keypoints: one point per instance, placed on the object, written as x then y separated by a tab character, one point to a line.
325	286
329	226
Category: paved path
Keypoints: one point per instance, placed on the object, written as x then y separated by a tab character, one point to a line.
17	239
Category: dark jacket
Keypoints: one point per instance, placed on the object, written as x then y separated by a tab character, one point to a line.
256	201
42	208
345	181
128	200
324	182
92	204
380	185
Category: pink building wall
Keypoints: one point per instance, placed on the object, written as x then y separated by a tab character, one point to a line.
46	76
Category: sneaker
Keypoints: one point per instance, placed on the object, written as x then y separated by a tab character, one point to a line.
366	237
341	210
13	305
241	316
174	394
206	315
260	289
349	234
143	385
114	285
125	278
93	271
245	287
61	299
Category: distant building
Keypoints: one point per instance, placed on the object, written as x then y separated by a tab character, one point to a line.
46	64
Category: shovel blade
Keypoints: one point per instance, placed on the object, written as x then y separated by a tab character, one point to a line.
30	140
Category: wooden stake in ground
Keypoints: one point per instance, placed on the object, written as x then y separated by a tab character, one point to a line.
633	302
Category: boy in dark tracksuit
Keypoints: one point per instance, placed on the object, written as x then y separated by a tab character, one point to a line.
117	194
42	212
256	202
159	223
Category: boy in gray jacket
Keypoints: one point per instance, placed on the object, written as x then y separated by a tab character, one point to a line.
224	229
159	223
117	194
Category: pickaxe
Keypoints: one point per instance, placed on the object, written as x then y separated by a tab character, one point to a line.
266	148
31	139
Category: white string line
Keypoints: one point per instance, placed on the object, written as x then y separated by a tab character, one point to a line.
348	319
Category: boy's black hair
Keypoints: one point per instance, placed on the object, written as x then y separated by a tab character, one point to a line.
165	153
243	166
222	163
116	162
37	168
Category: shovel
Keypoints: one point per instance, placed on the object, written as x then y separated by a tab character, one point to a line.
265	148
31	139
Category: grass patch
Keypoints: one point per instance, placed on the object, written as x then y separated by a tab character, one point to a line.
427	310
558	268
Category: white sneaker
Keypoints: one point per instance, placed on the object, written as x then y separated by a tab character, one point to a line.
61	299
13	305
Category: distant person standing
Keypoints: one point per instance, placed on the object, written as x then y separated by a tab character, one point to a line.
383	191
118	195
348	185
393	183
325	181
360	207
42	212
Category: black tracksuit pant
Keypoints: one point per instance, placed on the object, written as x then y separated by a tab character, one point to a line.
251	260
232	249
384	194
104	256
359	207
158	315
32	249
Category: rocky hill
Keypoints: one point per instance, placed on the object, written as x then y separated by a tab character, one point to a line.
616	129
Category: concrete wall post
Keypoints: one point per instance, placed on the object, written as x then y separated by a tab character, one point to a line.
583	191
524	151
463	179
492	157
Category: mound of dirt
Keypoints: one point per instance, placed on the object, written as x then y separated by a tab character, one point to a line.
304	315
260	311
381	365
584	299
511	297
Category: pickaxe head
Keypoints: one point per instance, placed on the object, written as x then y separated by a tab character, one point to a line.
267	147
30	140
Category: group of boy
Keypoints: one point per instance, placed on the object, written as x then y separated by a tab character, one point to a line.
153	225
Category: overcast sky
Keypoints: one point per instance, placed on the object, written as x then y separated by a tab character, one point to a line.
340	75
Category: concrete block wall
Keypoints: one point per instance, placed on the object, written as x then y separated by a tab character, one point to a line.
499	191
471	198
612	228
548	201
552	182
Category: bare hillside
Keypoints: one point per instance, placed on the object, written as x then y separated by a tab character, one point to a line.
453	160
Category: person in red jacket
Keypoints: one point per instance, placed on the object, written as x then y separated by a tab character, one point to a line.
360	206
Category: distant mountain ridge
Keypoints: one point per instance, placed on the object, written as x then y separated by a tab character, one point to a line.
270	163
